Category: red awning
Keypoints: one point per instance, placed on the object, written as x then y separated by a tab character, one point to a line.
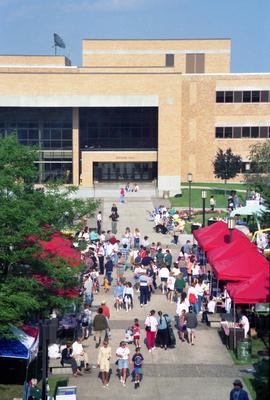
252	291
229	250
247	263
216	235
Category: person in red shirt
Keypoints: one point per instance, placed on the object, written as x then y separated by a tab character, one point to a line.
106	310
136	332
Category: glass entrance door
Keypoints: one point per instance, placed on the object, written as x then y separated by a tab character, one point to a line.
121	171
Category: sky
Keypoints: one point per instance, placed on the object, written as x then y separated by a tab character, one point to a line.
27	26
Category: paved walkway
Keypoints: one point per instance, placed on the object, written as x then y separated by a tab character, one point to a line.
204	371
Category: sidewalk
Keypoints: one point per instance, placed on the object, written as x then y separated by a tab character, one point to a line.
204	371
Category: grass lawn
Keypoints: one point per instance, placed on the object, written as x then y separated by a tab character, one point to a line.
8	392
249	382
228	186
196	198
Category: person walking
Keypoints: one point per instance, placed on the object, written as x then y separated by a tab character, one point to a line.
164	274
138	363
136	238
191	324
122	195
100	325
99	222
114	220
144	288
170	287
238	393
136	332
123	358
212	203
151	326
162	333
103	362
100	253
109	269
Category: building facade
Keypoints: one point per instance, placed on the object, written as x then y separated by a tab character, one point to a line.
136	110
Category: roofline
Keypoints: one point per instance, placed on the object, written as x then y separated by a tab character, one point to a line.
33	55
172	39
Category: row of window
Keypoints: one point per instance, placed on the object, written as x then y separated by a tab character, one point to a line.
245	96
238	132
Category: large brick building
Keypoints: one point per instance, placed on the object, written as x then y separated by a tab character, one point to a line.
135	110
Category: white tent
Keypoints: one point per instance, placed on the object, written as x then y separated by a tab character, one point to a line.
250	209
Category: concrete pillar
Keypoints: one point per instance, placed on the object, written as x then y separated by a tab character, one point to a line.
75	146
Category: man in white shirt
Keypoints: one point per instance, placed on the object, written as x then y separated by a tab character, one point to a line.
99	221
211	308
80	355
244	322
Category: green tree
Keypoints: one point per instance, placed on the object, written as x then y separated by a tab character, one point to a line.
26	212
226	164
258	176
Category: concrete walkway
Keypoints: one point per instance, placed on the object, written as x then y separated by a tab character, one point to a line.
204	371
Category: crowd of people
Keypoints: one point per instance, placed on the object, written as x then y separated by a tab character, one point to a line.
130	267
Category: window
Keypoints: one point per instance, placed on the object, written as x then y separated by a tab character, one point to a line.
246	132
264	96
195	63
219	132
237	132
255	96
169	62
263	131
228	97
228	133
254	131
220	97
237	97
246	97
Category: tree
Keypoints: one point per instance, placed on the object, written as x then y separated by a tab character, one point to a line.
29	219
226	164
258	176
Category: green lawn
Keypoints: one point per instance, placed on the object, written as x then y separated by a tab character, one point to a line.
257	345
196	198
249	382
228	186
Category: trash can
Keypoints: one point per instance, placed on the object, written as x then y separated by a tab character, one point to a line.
166	194
244	350
194	227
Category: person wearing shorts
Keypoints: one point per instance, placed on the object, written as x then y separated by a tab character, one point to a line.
104	356
123	356
191	324
138	363
163	275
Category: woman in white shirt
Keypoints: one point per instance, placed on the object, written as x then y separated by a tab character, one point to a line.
151	326
123	356
164	275
170	286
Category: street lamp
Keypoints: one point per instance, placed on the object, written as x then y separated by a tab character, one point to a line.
231	226
189	178
204	196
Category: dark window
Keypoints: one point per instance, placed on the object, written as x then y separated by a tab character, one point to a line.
219	132
254	131
246	97
220	97
169	60
264	96
118	128
228	97
263	131
228	132
237	132
246	131
255	96
237	97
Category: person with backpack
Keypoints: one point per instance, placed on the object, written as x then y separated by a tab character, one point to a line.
192	296
191	324
162	333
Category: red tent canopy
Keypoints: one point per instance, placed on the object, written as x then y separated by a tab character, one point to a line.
240	267
252	291
216	235
229	250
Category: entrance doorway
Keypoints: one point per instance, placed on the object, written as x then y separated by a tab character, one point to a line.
125	171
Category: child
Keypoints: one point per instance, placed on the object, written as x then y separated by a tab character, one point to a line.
138	363
136	332
106	284
182	325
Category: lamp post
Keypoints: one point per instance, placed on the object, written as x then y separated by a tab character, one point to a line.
204	196
189	178
231	226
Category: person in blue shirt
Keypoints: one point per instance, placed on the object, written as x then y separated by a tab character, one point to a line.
118	294
238	393
163	334
109	269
